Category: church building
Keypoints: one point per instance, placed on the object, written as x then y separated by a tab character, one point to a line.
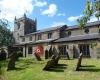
64	39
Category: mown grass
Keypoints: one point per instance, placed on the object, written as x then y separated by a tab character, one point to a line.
30	69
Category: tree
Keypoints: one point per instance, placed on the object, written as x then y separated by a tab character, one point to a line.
88	11
82	22
6	36
97	9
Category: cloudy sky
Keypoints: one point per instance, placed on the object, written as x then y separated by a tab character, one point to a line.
49	13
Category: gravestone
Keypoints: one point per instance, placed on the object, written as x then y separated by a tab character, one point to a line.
57	59
51	63
11	64
79	62
46	54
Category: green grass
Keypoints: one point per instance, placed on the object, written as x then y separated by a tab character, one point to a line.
30	69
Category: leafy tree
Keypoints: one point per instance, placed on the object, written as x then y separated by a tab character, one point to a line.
91	8
97	8
6	36
82	22
88	11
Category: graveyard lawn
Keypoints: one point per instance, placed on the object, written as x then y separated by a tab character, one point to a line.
30	69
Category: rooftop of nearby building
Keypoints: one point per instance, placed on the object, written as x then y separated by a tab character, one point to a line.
90	24
48	29
80	37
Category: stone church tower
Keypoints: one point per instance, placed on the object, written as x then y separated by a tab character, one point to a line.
24	26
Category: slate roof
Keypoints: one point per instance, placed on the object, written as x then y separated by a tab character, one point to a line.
35	42
90	24
79	38
48	29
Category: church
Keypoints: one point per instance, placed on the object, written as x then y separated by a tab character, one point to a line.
67	40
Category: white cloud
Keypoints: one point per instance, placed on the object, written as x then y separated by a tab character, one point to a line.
92	19
57	24
11	8
73	18
51	11
61	14
40	4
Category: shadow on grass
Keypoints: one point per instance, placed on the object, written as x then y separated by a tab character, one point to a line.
17	69
55	70
87	66
90	70
62	65
58	68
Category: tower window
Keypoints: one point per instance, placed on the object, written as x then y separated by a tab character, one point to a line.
18	24
49	35
30	38
23	39
18	36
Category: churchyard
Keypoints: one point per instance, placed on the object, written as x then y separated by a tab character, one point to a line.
31	69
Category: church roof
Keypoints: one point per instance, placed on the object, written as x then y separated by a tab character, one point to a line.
79	38
49	29
90	24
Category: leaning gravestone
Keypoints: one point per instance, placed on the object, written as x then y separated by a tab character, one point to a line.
11	64
57	59
51	63
46	54
79	62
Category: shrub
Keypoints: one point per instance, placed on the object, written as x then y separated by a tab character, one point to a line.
2	55
0	70
19	54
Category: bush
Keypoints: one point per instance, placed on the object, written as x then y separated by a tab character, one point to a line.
0	70
2	55
19	54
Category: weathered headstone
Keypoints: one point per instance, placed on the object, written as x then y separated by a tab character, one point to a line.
46	54
57	59
53	57
66	52
50	52
11	64
51	63
79	62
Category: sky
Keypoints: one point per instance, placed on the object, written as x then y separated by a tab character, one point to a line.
49	13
